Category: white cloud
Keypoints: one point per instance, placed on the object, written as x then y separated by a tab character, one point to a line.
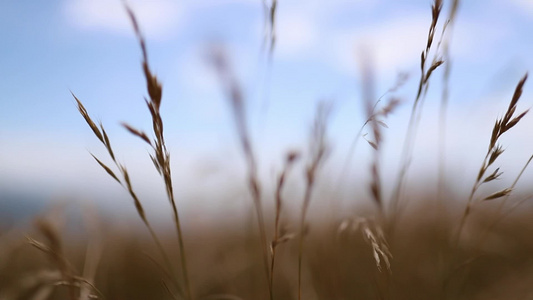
394	45
196	71
158	19
525	5
303	31
296	34
479	41
307	32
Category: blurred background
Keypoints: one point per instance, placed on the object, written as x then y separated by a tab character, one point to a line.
53	192
50	48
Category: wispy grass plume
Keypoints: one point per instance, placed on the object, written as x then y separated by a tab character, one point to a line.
281	234
318	149
235	97
502	125
427	67
160	156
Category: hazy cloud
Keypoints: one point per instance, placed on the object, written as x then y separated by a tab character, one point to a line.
159	19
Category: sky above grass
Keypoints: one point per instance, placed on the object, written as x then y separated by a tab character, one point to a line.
49	48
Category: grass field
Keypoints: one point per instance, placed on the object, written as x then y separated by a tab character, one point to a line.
403	243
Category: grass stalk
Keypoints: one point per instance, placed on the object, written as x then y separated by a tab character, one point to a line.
161	157
416	112
499	214
502	125
124	180
280	234
236	100
318	149
445	97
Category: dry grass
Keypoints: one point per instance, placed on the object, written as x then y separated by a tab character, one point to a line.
341	264
281	233
502	125
318	151
427	68
374	254
236	101
160	159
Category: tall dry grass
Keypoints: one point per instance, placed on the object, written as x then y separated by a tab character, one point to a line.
384	251
160	158
428	66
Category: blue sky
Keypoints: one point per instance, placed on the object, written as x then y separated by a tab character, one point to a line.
87	46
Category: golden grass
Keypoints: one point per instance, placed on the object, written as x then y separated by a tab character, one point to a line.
426	70
237	104
318	152
502	125
339	263
371	255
